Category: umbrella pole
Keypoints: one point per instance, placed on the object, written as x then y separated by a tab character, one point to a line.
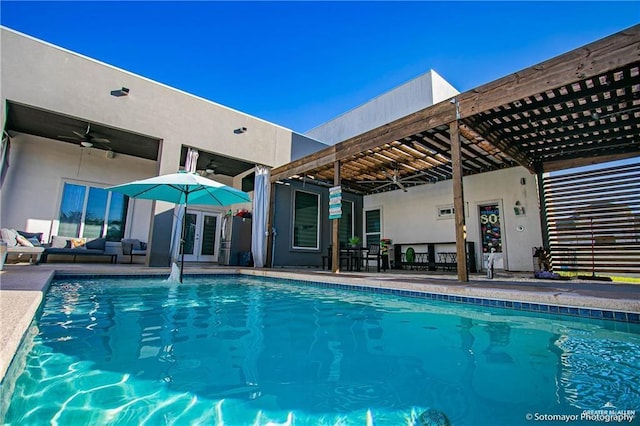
184	228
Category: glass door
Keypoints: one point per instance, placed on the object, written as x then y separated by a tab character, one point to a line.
201	237
491	234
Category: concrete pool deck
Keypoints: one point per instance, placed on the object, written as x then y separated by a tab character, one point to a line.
22	289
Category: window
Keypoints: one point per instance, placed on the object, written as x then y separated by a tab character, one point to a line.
446	212
372	228
346	222
306	220
92	212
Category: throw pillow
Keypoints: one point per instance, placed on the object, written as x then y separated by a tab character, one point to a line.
29	235
35	241
96	244
23	241
9	236
78	243
60	242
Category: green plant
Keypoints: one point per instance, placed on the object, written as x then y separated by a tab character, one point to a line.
354	241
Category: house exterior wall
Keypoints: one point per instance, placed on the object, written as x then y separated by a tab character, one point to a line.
284	255
412	217
419	93
42	75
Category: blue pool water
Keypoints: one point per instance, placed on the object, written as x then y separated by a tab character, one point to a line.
242	351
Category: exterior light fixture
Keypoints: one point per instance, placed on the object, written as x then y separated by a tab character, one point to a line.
120	92
240	130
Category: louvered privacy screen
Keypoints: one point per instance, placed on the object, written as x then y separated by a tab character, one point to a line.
593	219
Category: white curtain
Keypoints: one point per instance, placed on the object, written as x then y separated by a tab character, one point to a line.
178	212
260	216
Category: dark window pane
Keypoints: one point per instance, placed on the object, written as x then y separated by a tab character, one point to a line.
117	216
189	233
71	210
95	213
305	221
209	235
346	222
372	227
373	221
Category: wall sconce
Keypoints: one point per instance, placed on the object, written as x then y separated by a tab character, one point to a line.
120	92
240	130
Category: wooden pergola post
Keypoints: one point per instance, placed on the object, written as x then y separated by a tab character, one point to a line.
458	201
544	227
335	231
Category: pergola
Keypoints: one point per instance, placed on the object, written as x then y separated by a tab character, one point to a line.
579	108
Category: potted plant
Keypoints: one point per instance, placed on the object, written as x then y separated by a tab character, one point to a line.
354	241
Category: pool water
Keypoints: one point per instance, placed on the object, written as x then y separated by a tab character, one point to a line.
239	350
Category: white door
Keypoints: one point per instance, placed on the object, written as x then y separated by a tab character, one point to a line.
202	237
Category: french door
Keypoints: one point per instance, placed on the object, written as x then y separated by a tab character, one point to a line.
202	239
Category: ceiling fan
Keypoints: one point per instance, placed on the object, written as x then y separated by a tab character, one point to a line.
86	140
395	179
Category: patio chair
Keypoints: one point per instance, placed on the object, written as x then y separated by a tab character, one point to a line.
373	253
133	247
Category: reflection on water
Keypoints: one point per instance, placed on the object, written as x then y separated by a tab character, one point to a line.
235	351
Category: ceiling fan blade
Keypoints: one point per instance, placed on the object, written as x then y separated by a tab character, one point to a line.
80	135
69	138
383	186
417	182
372	181
415	176
401	186
100	140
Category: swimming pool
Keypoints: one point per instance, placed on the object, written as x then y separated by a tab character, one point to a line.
240	350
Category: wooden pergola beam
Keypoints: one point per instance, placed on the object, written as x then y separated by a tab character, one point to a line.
596	58
436	115
552	166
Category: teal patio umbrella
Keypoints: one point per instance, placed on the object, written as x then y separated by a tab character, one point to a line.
183	188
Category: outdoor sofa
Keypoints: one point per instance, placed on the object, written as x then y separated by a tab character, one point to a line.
21	246
83	247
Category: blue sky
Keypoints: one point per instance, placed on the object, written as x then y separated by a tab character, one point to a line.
299	64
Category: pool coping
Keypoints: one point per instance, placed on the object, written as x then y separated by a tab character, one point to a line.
22	295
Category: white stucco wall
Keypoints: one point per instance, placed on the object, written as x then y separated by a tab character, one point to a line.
414	95
412	217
